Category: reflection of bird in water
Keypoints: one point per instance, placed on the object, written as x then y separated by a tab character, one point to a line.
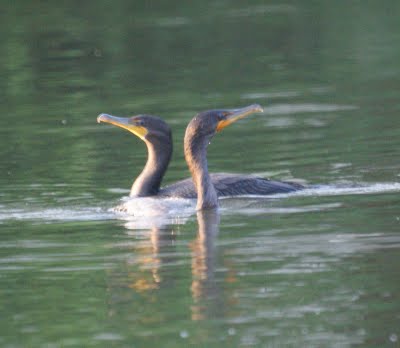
157	136
204	262
146	265
151	263
198	135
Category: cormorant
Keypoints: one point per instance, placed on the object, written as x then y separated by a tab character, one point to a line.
158	138
198	135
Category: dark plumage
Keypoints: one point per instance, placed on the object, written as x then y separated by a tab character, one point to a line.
229	184
198	135
158	138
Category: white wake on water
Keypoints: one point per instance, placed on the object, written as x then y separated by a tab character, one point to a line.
147	212
56	214
348	189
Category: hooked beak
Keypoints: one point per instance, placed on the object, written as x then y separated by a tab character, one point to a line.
125	123
237	114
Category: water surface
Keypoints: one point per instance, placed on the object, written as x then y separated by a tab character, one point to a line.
317	268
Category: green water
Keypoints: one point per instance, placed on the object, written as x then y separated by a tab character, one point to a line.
315	269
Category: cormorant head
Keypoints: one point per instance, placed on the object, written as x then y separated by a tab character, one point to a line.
149	128
207	123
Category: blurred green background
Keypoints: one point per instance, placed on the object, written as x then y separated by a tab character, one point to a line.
319	270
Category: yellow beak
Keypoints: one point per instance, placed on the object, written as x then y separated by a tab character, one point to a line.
237	114
125	123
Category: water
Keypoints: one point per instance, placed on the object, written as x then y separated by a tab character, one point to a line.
317	268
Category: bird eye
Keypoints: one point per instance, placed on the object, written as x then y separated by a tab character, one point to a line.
221	116
138	122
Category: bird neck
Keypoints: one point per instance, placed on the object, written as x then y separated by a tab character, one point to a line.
149	181
196	159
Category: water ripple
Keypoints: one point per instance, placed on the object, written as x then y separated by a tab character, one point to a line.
143	213
286	109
